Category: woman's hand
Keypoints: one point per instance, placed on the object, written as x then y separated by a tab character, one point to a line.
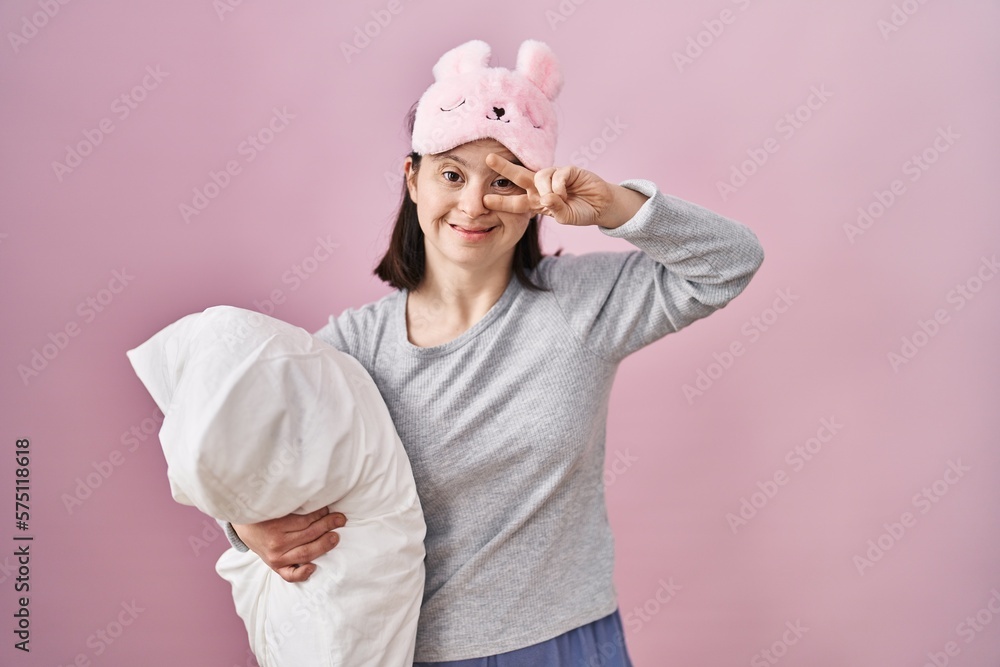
569	195
289	544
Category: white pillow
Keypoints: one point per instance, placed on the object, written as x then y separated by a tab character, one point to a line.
262	419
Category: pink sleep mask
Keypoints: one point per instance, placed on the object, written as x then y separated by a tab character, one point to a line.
470	100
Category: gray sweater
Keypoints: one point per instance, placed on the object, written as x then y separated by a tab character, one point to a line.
505	425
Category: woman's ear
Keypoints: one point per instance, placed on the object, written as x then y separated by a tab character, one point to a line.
410	177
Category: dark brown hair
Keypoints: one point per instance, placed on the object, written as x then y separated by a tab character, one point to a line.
403	264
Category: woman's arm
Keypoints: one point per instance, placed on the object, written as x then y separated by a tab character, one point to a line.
690	261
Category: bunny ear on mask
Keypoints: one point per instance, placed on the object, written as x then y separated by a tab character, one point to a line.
474	54
537	63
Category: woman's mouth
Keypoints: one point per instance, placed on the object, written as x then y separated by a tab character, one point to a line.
473	234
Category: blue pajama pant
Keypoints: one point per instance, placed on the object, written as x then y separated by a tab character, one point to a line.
597	644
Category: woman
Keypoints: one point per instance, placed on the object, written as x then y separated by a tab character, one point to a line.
496	363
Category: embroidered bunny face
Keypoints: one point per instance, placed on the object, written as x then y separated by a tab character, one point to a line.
470	100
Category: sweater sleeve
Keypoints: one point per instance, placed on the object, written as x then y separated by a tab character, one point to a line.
349	332
231	535
689	263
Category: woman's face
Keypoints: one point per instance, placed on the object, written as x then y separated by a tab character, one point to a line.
448	190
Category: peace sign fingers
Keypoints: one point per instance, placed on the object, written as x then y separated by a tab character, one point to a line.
508	203
546	191
522	176
569	195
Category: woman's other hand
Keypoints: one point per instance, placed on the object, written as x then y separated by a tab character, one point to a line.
289	544
569	195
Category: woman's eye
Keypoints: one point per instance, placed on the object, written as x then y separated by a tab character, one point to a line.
449	179
503	183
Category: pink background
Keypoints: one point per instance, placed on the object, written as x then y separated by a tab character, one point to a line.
683	464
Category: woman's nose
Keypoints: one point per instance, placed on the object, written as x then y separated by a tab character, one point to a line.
471	201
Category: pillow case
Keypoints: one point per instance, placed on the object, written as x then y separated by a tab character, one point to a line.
262	419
